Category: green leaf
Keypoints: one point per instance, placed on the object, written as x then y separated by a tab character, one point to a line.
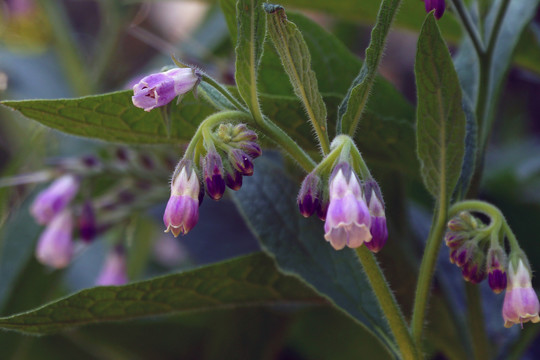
469	157
352	107
296	60
440	118
517	16
112	117
248	280
251	32
268	203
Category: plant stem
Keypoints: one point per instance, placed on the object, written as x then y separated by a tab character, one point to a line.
427	269
68	51
475	318
388	303
469	26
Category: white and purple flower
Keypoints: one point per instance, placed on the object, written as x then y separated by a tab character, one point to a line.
347	220
182	211
160	89
520	302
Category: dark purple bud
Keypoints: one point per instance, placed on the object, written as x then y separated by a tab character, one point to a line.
454	239
438	5
233	179
241	162
212	168
379	234
252	149
322	209
87	223
146	162
90	161
241	133
496	265
122	154
308	197
464	254
473	272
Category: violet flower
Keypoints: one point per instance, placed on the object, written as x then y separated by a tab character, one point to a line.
378	228
347	220
438	5
160	89
55	246
520	302
51	201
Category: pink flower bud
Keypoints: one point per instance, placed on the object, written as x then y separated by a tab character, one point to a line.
347	220
55	246
51	201
182	211
160	89
520	302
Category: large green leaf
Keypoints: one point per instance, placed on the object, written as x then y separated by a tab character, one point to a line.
248	280
112	117
352	107
440	117
251	32
268	203
296	60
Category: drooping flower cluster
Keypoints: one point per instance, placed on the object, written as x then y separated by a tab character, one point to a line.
353	212
229	156
477	249
68	214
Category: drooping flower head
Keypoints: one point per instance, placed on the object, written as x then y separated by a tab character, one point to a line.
182	211
520	302
161	88
114	271
378	228
438	5
51	201
55	245
347	220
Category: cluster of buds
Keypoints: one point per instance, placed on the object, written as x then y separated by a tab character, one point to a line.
438	5
476	249
234	143
467	249
353	211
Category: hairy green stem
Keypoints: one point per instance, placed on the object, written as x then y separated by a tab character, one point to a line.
475	317
67	48
426	272
469	26
388	303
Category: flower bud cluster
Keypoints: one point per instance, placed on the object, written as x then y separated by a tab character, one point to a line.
467	244
353	211
229	156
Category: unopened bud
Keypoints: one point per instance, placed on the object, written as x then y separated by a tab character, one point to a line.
496	265
308	197
241	162
212	169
